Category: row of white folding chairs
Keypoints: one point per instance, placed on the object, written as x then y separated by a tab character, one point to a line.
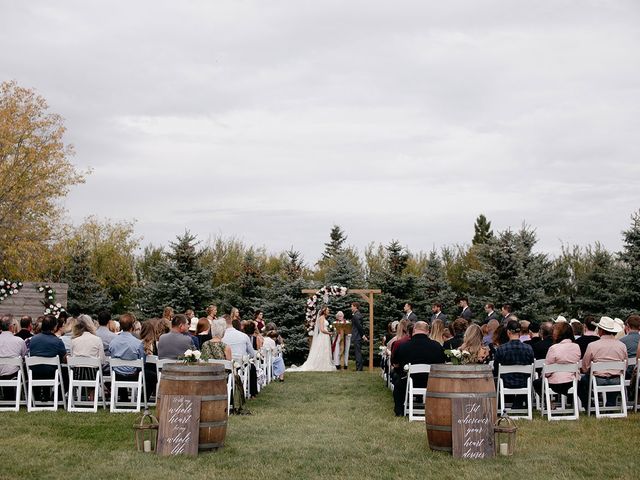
72	400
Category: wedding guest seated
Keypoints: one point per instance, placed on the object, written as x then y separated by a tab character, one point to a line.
278	361
541	348
103	331
401	332
577	327
491	325
563	351
203	330
524	330
127	347
472	343
46	344
514	352
26	326
173	344
192	332
534	333
606	349
238	341
256	343
64	329
10	346
631	328
589	335
392	327
437	331
420	349
137	329
84	342
459	326
215	348
271	327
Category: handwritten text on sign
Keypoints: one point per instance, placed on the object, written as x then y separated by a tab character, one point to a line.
472	422
179	425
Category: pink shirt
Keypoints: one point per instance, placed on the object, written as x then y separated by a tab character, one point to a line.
607	349
565	352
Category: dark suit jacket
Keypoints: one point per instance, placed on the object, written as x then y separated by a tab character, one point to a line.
492	316
419	350
357	330
412	317
541	348
439	316
467	314
584	341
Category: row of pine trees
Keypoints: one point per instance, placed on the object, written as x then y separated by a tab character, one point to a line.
498	268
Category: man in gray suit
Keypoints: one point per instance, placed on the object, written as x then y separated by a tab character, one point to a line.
436	309
466	311
357	333
408	313
489	309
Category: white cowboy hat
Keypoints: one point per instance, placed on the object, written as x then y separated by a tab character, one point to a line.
608	324
574	320
560	319
619	322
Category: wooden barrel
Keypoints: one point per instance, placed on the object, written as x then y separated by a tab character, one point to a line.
209	382
447	382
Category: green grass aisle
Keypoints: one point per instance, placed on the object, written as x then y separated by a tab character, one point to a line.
315	425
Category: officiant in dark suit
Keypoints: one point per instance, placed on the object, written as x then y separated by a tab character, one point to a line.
357	333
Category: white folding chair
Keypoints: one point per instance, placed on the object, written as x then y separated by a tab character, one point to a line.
153	360
410	409
137	387
502	390
243	363
631	395
615	411
74	397
55	383
228	366
538	365
635	390
561	413
18	383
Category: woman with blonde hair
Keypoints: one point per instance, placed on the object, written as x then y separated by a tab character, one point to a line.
85	343
472	343
437	331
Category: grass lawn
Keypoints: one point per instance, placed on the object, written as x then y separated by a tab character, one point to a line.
315	425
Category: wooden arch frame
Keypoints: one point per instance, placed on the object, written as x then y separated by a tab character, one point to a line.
367	295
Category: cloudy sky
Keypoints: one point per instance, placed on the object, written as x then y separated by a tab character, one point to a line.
272	120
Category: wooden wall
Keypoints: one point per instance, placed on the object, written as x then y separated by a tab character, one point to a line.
28	301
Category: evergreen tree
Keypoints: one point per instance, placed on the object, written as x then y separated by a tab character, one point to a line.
251	283
509	271
435	285
335	246
85	293
596	291
179	280
482	229
630	258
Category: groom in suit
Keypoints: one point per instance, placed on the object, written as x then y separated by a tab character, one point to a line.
357	333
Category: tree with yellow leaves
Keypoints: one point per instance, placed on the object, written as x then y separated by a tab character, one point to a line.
35	174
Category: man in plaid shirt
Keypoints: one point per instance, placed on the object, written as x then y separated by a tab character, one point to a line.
514	352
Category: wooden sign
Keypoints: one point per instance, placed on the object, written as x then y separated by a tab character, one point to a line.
472	427
179	427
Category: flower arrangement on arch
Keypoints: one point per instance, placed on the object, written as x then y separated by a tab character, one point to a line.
8	288
49	302
312	303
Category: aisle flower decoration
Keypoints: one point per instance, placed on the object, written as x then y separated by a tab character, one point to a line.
458	357
191	356
8	288
312	303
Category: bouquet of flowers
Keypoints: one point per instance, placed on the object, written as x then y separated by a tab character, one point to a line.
191	356
458	357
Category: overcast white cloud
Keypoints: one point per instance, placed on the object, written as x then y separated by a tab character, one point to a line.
270	121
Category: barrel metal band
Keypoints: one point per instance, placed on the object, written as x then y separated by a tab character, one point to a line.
222	423
458	375
213	398
207	446
460	395
167	376
440	428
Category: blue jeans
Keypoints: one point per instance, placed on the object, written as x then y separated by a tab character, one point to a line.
583	389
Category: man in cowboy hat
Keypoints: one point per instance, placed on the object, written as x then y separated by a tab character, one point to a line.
607	349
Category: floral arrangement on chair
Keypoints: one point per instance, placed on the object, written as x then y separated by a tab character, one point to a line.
458	357
191	356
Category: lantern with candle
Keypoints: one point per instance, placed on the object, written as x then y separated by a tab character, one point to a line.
505	436
146	433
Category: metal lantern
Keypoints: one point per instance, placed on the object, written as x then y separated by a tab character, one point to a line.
505	436
146	433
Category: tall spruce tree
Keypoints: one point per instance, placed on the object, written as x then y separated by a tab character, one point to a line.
335	246
179	280
482	229
630	258
85	294
436	286
596	288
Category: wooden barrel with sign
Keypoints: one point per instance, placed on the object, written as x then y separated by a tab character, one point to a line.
448	382
209	382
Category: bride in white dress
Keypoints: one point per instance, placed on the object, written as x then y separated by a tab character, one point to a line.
320	358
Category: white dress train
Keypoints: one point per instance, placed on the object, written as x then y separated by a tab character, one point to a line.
320	358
